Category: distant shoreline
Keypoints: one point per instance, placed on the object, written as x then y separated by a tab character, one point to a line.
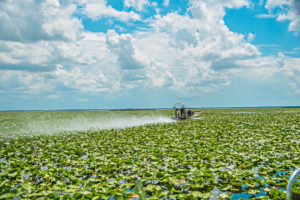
140	109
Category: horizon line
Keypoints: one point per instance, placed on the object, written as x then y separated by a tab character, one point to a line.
132	109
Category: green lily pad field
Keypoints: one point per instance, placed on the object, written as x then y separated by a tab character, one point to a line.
226	154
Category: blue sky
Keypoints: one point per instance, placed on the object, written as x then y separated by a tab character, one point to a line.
100	54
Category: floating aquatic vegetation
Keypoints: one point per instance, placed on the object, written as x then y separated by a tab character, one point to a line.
231	155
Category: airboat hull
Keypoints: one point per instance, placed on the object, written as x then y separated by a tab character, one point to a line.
181	112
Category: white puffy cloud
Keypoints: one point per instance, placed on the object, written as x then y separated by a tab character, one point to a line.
191	53
180	52
213	10
75	78
23	83
38	20
266	68
272	4
121	45
294	16
86	65
97	9
166	2
26	56
288	10
46	55
250	37
136	4
33	21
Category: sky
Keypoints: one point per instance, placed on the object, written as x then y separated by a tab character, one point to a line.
112	54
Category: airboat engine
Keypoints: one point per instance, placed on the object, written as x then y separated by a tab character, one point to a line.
182	112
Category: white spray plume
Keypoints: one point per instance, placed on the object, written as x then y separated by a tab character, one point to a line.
84	124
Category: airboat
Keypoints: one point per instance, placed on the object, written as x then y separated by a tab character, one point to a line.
181	112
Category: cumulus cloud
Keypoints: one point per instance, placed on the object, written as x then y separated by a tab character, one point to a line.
85	82
38	20
272	4
166	2
265	68
189	53
286	10
214	10
26	56
132	70
121	45
23	83
46	55
250	37
98	9
180	52
136	4
33	21
86	65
